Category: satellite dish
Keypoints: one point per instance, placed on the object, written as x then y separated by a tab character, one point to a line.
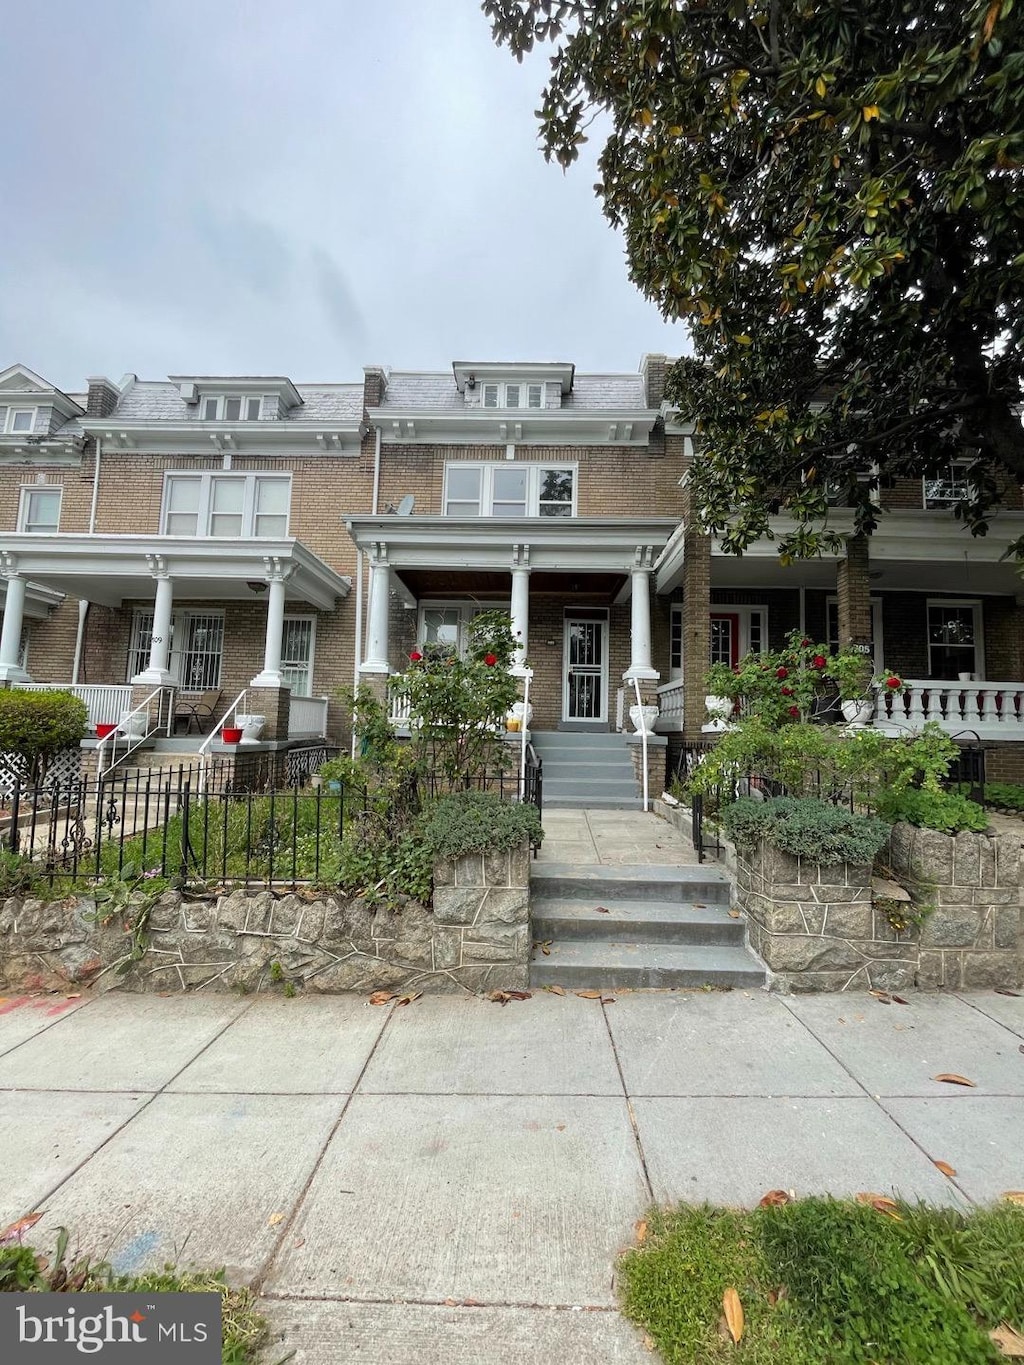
406	505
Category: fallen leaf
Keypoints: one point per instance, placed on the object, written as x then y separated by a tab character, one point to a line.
381	997
883	997
1009	1342
555	990
14	1230
588	995
1001	990
944	1167
951	1078
898	999
559	1127
1014	1197
299	1242
882	1203
607	999
451	1303
409	997
503	997
699	905
274	1219
734	914
77	996
733	1310
602	909
773	1198
641	1231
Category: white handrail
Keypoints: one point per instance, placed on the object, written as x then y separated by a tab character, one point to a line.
216	729
643	739
527	674
125	727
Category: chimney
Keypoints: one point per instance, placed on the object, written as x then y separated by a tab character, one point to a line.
103	396
653	368
375	383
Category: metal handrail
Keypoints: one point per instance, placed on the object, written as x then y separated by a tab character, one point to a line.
214	732
143	708
643	739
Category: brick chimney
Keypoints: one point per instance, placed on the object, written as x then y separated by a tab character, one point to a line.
653	368
375	383
103	396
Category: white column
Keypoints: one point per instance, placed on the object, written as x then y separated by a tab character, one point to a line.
376	660
157	675
271	675
10	638
520	614
640	628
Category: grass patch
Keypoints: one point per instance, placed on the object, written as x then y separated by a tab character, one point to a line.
26	1270
824	1281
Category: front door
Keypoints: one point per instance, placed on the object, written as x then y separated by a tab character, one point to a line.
585	695
725	638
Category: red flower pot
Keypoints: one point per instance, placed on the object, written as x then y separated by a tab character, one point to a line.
105	729
231	734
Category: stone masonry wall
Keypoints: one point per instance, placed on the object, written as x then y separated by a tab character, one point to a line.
973	936
477	937
816	927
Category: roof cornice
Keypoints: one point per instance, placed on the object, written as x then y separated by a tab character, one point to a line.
193	436
522	426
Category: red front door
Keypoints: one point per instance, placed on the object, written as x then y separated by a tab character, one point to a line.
725	638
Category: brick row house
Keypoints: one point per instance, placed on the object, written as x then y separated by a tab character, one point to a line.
209	536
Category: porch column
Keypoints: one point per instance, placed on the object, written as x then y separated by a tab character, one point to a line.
520	606
640	666
696	629
10	638
376	660
157	675
277	576
853	589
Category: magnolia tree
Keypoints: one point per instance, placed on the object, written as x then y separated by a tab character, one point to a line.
458	705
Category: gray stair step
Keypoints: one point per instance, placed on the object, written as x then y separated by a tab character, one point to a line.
581	792
598	762
559	920
628	881
592	802
610	965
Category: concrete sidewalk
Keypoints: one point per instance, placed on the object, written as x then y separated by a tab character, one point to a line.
452	1180
613	836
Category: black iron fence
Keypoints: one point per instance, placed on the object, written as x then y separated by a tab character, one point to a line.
196	823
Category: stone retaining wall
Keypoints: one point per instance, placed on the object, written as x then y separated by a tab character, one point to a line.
476	937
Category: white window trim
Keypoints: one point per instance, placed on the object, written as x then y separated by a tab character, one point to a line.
311	618
206	478
23	505
221	400
943	503
878	650
12	412
744	612
523	385
979	629
467	609
179	628
533	468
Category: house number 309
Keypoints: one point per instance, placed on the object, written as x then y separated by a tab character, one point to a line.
158	639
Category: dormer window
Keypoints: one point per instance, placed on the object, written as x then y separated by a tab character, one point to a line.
231	408
513	395
21	420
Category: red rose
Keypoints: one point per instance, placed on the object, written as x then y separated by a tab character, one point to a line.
819	661
804	644
787	691
782	672
415	656
490	660
893	682
794	711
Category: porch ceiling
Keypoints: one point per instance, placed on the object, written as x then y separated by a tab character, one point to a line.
110	568
428	583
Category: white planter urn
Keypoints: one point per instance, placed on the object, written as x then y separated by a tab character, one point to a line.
133	724
719	710
860	711
649	714
251	726
517	712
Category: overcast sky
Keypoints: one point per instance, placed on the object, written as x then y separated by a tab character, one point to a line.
218	187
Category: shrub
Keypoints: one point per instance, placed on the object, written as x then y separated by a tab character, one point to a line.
478	822
933	810
805	827
37	725
1005	795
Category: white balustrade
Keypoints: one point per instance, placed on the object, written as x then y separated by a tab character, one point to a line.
995	710
400	708
670	704
105	702
307	716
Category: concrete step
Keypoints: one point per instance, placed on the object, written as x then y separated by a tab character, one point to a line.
581	792
559	920
629	881
611	965
592	802
611	761
562	742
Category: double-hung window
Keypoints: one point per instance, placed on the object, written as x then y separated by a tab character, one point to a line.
40	509
229	505
950	485
954	639
512	489
513	395
20	421
231	408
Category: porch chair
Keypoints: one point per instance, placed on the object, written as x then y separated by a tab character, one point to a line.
199	709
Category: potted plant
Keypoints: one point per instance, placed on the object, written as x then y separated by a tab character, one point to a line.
231	734
105	728
851	673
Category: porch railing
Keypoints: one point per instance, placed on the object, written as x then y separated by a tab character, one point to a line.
307	716
105	702
670	706
153	716
399	709
992	709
